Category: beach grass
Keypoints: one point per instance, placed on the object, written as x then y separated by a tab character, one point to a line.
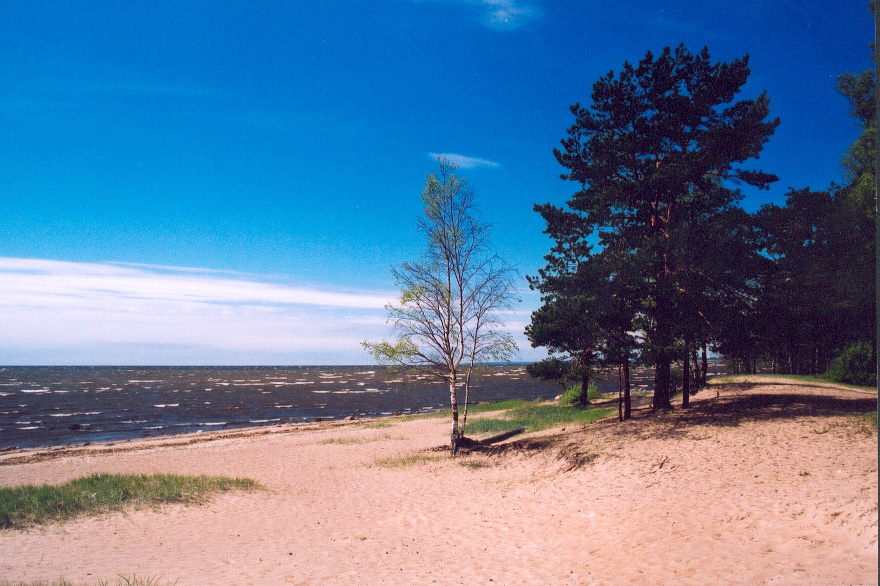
348	441
410	460
536	416
868	423
27	505
377	424
119	581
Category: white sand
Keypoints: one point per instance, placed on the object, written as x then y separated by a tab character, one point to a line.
757	494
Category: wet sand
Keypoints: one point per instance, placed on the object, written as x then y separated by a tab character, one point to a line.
757	483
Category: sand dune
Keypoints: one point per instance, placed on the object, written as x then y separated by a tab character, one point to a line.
757	483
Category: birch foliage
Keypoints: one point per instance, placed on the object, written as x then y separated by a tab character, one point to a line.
448	318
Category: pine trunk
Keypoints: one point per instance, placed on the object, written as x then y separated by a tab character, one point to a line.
662	380
705	365
662	340
686	377
620	392
627	401
584	397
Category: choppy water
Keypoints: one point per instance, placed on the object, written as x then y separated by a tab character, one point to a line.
46	406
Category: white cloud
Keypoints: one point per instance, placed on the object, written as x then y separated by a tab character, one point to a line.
64	312
54	312
501	15
44	281
508	14
464	162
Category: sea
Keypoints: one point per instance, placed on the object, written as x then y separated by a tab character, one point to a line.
57	406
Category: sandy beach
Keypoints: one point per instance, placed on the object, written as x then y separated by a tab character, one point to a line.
757	483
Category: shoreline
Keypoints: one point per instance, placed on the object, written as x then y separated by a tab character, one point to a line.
13	456
763	483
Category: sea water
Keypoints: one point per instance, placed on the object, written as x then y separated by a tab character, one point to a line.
50	406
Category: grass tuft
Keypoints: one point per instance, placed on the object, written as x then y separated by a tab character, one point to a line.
120	581
347	441
377	425
868	423
23	506
410	460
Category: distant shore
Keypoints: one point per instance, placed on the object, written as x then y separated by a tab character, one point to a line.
760	482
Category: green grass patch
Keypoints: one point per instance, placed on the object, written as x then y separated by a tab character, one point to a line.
498	406
537	416
22	506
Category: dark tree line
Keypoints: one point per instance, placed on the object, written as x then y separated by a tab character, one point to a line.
654	258
818	296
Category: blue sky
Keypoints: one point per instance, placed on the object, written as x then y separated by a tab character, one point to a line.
230	182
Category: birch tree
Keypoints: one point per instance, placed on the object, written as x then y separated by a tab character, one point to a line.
447	320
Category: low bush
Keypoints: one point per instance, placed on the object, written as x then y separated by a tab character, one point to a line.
571	394
856	366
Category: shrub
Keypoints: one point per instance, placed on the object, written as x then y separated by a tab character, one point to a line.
855	366
571	394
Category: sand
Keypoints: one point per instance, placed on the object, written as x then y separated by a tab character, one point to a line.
757	483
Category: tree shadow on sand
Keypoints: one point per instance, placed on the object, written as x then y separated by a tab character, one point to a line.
735	403
739	401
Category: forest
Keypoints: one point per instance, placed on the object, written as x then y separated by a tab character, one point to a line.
655	262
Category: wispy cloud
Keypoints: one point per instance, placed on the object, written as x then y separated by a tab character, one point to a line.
464	162
506	15
54	312
52	309
501	15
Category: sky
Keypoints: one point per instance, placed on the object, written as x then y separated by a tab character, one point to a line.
230	183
